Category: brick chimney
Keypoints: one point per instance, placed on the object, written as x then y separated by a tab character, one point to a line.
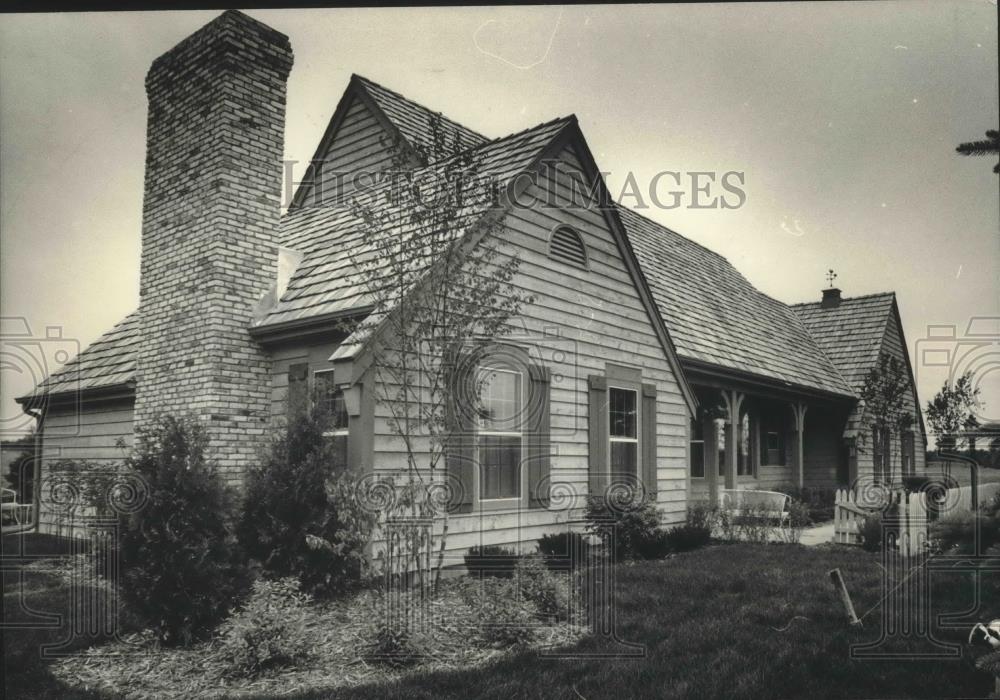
831	298
209	230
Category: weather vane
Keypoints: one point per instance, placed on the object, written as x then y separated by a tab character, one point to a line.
830	277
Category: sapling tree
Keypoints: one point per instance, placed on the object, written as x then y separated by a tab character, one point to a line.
952	411
440	287
884	396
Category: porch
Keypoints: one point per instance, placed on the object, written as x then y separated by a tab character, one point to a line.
769	440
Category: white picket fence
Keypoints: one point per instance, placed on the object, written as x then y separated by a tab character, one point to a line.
908	514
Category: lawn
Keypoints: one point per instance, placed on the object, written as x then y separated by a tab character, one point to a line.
732	621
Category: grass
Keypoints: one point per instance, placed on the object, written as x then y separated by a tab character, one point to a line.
734	621
38	585
731	621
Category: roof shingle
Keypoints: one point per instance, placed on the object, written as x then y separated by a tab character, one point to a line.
716	316
850	333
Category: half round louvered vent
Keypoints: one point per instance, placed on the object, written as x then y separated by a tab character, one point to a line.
566	245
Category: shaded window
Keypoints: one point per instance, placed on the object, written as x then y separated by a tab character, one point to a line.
331	399
623	434
566	245
772	438
697	449
880	455
500	434
907	449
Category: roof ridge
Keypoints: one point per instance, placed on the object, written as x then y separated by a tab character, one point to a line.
843	299
399	95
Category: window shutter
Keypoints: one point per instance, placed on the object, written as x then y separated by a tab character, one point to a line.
649	439
538	438
598	430
298	388
460	455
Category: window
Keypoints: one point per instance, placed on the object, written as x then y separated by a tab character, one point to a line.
720	437
328	396
697	449
623	432
772	435
331	398
567	246
500	434
880	455
907	454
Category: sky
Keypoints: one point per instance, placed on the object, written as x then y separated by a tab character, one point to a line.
842	118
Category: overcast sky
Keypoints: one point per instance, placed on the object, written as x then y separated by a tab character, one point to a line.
843	118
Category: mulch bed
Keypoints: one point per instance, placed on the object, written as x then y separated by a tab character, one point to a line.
137	667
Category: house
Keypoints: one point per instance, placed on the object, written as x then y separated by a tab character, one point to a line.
640	349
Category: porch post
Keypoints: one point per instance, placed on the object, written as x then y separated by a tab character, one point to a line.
712	460
733	400
799	416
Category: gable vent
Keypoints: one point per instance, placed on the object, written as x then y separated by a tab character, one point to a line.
567	245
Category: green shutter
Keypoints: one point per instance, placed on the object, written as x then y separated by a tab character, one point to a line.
649	439
598	430
538	438
460	450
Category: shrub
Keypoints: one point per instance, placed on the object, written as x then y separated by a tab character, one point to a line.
695	532
550	593
870	530
956	533
656	545
632	524
819	500
753	523
563	546
798	519
181	568
269	631
503	617
491	560
301	516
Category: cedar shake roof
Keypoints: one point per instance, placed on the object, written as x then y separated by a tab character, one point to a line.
334	242
108	361
850	333
414	120
716	316
713	313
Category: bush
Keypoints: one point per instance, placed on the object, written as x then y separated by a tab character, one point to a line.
181	568
818	499
269	631
798	519
551	594
870	530
301	516
696	531
752	524
562	546
491	560
633	525
956	533
503	617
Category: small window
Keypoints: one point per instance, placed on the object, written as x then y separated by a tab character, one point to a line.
624	436
566	245
500	434
908	453
331	398
697	449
